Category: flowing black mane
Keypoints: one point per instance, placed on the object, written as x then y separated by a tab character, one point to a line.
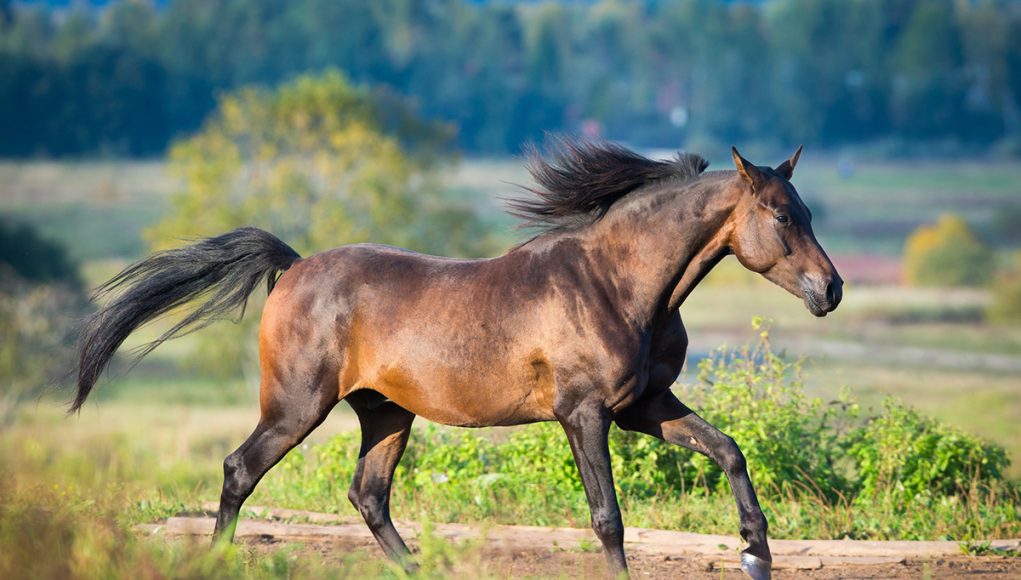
578	181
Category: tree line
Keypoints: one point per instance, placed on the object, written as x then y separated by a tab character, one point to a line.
128	78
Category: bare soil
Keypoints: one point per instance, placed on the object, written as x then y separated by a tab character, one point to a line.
470	551
495	561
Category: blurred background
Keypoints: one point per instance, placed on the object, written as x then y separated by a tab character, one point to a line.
127	126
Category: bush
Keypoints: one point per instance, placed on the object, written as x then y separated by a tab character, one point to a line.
907	455
1006	304
947	254
36	337
33	258
40	297
757	397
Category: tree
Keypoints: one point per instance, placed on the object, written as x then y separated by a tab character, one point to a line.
1006	305
320	164
947	254
928	89
40	297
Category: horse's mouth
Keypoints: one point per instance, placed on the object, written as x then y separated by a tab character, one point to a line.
813	305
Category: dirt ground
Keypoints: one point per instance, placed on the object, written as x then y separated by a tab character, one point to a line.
491	561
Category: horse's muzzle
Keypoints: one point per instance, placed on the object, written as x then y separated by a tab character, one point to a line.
822	296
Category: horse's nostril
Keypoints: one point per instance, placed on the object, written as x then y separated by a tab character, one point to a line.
831	293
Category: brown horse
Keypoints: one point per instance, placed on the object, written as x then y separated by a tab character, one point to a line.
579	325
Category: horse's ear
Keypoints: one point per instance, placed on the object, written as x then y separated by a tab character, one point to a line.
786	169
747	170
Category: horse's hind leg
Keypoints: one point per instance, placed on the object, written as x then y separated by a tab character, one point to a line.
665	417
287	418
385	430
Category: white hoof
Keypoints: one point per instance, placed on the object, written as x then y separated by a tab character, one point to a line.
756	568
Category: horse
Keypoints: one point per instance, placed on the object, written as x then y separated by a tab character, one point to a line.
580	324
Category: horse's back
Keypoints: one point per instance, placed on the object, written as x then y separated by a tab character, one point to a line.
430	333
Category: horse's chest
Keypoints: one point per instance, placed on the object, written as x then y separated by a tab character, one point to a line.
617	372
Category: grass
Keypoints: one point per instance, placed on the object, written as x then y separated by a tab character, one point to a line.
72	488
97	209
90	231
147	462
875	209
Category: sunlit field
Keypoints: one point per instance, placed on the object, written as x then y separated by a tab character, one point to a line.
151	443
930	347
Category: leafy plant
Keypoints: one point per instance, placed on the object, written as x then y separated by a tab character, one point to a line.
757	397
903	453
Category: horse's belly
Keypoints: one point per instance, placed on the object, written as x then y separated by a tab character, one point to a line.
467	404
465	373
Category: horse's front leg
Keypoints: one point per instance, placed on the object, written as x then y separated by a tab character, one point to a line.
587	427
663	416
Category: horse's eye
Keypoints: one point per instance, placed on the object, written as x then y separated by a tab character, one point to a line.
783	219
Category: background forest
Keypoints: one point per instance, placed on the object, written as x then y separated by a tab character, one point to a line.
125	78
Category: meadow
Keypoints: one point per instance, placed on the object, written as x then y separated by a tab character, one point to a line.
152	442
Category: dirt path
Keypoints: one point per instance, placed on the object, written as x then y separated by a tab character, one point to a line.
502	562
515	551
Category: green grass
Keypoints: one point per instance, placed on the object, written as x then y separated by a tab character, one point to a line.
97	209
90	231
873	342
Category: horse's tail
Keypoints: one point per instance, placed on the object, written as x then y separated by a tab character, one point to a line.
224	270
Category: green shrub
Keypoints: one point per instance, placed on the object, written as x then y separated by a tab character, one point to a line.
947	254
757	397
36	338
902	453
24	253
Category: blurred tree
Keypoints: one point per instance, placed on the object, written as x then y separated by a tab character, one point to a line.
34	259
36	339
652	72
928	84
947	254
40	297
1006	305
317	161
312	163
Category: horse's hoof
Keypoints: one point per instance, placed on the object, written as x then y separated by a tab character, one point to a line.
756	568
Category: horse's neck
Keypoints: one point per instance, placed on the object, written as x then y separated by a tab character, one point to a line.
665	241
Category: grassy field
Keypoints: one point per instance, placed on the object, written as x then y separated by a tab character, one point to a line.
870	211
152	442
881	341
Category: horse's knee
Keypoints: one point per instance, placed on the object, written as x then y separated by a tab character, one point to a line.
234	476
730	457
608	526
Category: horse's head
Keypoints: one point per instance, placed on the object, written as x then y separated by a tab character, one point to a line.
773	236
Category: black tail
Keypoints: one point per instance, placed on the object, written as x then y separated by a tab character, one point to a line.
224	269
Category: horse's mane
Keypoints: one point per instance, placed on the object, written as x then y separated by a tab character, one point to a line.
577	181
